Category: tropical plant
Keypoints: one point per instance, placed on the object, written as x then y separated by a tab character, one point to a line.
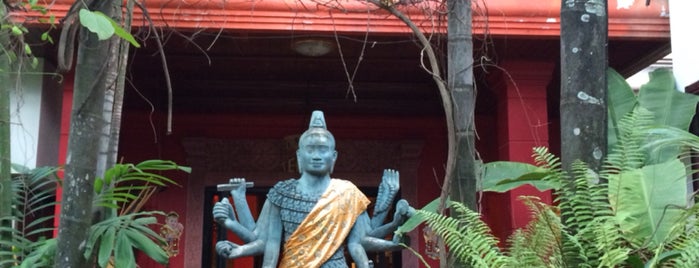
635	212
110	240
33	193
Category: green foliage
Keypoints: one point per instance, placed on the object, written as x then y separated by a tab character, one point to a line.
539	243
16	49
117	237
104	26
467	236
634	213
501	176
659	96
33	194
113	239
122	183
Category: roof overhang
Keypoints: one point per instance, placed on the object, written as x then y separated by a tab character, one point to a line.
497	17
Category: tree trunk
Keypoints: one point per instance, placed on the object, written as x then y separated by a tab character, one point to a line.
111	113
583	82
5	169
87	121
460	84
120	85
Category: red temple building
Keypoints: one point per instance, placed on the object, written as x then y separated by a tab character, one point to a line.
243	92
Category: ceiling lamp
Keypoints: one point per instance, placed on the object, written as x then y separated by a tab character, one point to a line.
313	47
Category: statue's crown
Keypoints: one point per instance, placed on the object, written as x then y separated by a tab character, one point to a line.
317	120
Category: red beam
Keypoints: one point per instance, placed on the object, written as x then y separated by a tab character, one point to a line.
496	17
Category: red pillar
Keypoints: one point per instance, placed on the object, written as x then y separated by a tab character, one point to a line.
522	119
63	142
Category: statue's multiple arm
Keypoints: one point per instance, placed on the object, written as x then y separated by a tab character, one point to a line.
368	235
256	247
273	237
355	239
403	212
252	234
265	237
241	204
388	189
224	214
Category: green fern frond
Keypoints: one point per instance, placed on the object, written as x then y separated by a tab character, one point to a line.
586	212
610	242
539	244
628	154
686	243
467	236
521	250
544	159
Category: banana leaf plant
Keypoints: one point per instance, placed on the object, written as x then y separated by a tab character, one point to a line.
635	213
669	107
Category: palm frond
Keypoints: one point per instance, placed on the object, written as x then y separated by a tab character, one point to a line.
123	183
33	199
118	236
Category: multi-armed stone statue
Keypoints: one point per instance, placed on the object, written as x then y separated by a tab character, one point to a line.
314	216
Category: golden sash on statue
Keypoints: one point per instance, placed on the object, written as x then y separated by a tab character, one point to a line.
325	228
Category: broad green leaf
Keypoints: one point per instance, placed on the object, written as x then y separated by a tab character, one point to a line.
620	102
669	136
502	176
146	231
146	220
648	201
670	107
119	31
148	246
106	246
96	23
123	252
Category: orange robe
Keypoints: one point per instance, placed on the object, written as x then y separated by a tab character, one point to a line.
325	228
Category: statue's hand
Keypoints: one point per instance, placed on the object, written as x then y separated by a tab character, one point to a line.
401	239
239	190
223	211
403	212
390	184
228	249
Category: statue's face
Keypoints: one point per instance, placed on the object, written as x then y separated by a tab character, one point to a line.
317	154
